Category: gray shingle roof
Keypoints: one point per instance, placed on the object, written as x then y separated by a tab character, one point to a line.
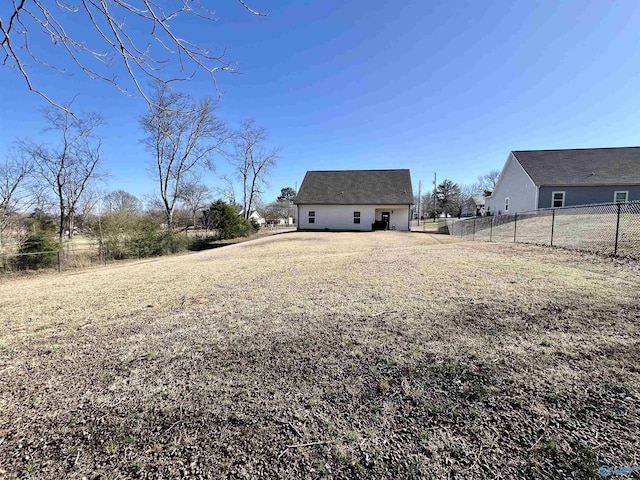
356	187
587	166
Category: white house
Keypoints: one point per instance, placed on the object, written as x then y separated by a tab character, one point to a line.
360	200
255	216
560	178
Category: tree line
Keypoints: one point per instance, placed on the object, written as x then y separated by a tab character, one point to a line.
64	176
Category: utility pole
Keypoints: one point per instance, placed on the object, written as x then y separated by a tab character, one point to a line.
435	197
419	199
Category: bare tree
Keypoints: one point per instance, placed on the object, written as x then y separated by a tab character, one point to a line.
195	196
15	194
139	36
154	209
182	135
88	206
121	201
226	192
70	168
487	182
252	161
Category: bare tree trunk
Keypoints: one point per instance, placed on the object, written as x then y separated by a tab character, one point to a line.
70	223
61	204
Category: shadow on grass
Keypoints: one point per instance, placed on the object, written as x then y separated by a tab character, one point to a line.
431	232
201	246
211	243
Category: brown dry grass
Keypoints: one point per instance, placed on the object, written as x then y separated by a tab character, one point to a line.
404	355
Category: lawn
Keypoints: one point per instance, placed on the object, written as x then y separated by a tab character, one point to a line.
325	355
594	232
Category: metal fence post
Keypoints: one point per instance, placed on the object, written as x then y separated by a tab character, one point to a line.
615	248
515	227
553	222
474	229
491	230
59	266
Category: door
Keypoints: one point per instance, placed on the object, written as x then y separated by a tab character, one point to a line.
386	218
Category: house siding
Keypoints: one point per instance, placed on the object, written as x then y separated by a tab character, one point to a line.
515	184
586	195
340	217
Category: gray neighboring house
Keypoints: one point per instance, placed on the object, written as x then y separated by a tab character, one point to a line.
361	200
472	206
536	179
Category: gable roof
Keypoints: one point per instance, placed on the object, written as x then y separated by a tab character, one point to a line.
356	187
582	167
478	199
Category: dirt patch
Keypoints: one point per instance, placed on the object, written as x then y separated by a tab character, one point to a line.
382	355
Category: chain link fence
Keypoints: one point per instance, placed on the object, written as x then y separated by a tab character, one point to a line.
607	229
60	260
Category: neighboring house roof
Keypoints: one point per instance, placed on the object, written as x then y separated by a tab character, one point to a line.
253	214
478	199
582	167
356	187
475	199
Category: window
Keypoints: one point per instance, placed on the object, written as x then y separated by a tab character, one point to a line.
312	217
557	199
506	204
356	217
621	196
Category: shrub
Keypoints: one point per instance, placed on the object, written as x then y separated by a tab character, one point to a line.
142	240
31	247
170	242
126	235
200	243
224	218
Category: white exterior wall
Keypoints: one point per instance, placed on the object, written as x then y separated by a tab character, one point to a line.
515	184
399	216
340	217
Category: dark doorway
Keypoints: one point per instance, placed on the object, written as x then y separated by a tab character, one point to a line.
385	219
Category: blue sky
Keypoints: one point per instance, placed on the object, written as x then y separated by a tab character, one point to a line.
440	86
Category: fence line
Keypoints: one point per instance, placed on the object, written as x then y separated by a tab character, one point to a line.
607	228
69	256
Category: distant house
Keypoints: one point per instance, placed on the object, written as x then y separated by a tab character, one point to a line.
361	200
559	178
270	220
254	215
473	206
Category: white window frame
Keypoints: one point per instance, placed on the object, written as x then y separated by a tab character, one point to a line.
356	218
626	196
506	204
553	198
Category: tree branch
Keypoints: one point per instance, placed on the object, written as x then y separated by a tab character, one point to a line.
116	26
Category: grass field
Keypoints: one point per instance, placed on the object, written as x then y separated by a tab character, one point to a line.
325	355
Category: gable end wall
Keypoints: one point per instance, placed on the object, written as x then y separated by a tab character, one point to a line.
515	184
